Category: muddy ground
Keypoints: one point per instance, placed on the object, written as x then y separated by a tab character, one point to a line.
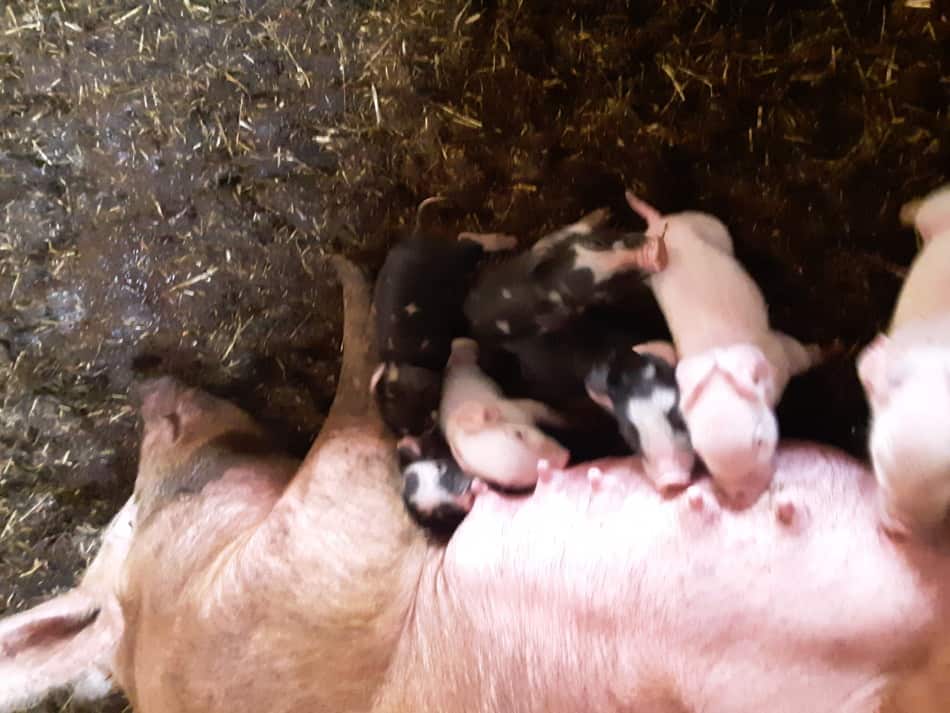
171	175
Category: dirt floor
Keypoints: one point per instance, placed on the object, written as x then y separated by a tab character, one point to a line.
171	174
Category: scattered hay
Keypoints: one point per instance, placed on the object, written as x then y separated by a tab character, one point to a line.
171	175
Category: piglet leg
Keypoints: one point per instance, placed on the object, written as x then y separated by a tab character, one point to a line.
930	215
584	226
799	357
491	242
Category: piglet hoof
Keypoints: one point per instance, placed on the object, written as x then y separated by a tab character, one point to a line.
491	242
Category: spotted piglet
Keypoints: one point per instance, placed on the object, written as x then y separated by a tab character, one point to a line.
418	312
564	273
638	386
436	492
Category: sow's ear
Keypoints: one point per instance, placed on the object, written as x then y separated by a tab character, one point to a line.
67	643
70	641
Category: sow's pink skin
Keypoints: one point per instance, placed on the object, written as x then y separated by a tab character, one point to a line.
491	437
906	376
283	587
733	366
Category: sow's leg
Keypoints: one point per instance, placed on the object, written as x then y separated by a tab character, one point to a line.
351	555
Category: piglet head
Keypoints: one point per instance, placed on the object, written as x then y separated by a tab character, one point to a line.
908	445
725	403
929	215
640	389
882	371
506	454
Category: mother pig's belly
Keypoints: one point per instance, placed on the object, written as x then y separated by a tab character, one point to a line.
611	598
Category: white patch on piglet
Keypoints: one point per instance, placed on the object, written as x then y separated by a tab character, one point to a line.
666	451
649	415
429	494
605	264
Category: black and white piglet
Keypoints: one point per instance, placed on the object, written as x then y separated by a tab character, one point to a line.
436	492
543	289
638	386
417	303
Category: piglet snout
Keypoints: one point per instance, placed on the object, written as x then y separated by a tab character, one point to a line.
672	483
671	476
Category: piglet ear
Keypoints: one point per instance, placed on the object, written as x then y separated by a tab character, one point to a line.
748	369
64	643
692	374
658	348
872	369
596	386
409	448
473	416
